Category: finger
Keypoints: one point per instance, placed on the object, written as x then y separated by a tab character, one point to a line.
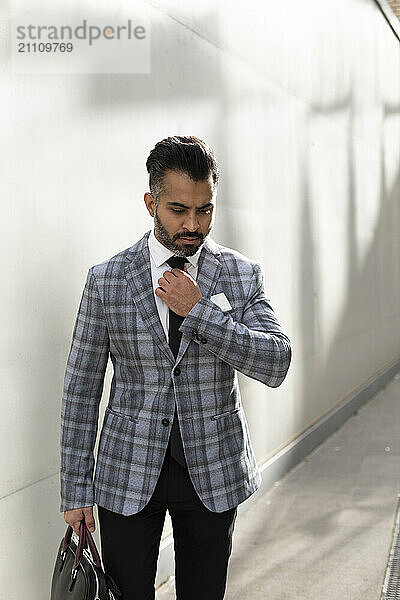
162	281
89	518
90	524
184	273
169	274
75	526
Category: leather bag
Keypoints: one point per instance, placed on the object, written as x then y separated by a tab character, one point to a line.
78	573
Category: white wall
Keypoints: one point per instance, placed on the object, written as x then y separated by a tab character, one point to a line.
301	102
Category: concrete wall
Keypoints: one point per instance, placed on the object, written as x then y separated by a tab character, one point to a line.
301	102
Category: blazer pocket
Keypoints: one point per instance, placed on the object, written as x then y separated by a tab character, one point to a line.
118	414
226	412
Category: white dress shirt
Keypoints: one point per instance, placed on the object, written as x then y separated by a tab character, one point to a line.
159	254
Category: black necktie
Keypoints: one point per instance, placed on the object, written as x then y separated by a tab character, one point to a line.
174	340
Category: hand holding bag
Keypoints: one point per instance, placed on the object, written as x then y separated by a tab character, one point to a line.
78	573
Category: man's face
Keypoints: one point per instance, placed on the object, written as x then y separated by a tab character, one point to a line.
185	209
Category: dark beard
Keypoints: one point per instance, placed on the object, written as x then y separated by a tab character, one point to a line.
184	250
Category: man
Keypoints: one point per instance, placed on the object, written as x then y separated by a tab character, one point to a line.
179	315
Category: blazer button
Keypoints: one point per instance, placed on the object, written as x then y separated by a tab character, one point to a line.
194	331
203	340
177	371
165	421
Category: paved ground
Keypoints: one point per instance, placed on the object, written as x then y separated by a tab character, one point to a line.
324	530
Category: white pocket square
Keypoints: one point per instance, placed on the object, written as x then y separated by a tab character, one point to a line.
222	301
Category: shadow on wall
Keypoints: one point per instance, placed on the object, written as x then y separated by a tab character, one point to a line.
372	279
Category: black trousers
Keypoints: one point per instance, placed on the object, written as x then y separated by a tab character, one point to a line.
202	541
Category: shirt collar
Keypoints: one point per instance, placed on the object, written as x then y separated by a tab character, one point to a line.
160	254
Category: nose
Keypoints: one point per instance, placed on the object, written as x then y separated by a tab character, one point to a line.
191	224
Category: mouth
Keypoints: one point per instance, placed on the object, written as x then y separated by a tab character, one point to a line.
189	240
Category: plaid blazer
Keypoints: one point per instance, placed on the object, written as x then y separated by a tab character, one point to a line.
118	318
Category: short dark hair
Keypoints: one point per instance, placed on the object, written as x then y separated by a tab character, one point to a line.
186	154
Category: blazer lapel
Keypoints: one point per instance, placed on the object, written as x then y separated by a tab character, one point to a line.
138	275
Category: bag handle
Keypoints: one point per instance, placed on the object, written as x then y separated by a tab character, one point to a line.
92	547
86	541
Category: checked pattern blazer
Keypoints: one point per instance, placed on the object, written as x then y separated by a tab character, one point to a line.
117	318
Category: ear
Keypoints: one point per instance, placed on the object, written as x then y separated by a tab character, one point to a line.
150	204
